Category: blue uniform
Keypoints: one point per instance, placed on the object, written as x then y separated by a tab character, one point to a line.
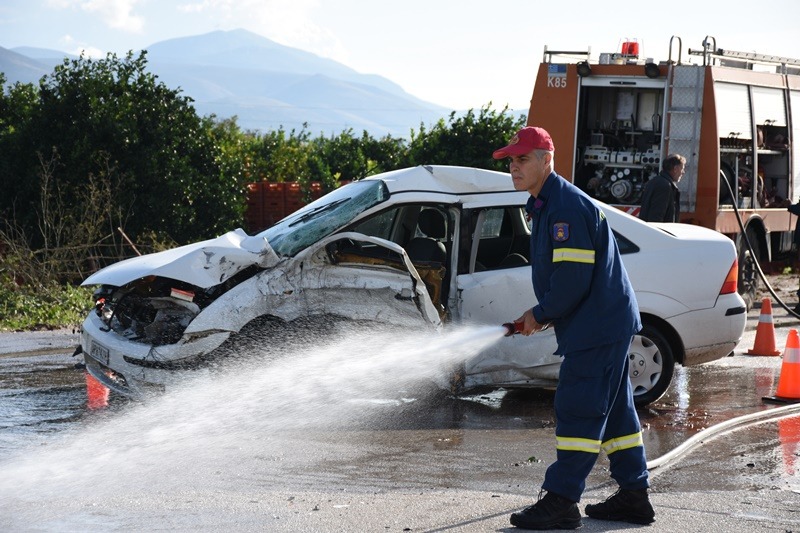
584	292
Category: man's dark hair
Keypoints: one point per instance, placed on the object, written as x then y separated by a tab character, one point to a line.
672	161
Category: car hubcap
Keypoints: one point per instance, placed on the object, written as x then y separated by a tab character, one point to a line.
645	364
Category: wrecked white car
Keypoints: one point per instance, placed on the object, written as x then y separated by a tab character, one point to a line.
430	245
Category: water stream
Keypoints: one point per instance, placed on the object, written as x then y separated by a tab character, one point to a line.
225	422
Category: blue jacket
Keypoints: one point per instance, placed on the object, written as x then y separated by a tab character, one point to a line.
578	275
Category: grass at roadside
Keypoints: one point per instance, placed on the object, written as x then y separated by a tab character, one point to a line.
51	307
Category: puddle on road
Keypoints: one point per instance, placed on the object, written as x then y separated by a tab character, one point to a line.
705	395
39	396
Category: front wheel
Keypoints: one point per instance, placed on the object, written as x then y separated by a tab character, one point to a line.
650	365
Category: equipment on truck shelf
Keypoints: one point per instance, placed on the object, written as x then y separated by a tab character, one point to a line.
732	115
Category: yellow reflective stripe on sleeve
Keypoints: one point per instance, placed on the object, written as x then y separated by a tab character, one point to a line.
576	255
623	443
574	444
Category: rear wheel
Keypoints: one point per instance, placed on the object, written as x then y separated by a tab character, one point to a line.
650	365
748	268
727	182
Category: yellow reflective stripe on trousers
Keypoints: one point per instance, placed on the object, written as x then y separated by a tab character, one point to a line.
623	443
576	255
574	444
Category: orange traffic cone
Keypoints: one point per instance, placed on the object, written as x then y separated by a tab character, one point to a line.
96	393
765	332
789	379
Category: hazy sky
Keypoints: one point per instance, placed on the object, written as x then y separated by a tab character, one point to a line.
458	54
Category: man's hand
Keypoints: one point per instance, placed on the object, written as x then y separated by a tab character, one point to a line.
531	326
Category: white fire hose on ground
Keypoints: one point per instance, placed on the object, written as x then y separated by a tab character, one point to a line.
715	431
743	421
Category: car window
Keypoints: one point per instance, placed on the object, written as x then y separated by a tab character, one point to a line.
378	226
492	223
625	245
503	238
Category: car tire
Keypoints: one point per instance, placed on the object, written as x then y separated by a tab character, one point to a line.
748	269
651	364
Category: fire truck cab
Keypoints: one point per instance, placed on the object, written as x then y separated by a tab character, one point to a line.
734	116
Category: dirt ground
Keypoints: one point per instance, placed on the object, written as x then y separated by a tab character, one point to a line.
784	281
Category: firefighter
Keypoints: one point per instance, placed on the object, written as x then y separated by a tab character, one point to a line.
583	291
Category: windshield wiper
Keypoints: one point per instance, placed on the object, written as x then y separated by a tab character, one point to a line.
317	211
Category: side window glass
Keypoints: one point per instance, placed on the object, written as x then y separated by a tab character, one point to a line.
492	223
625	245
378	226
503	239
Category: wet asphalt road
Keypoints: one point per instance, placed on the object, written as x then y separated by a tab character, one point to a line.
428	463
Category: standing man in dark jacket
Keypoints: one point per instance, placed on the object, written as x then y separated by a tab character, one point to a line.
795	210
583	290
661	199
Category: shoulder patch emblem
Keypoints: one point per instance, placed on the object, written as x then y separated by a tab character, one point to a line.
560	231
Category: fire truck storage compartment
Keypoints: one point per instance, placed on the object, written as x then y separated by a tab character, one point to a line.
739	107
619	136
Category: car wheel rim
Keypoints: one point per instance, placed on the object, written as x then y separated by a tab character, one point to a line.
645	364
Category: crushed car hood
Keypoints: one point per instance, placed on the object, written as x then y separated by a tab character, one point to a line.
203	264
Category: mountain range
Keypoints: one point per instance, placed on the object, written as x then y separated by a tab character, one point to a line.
264	84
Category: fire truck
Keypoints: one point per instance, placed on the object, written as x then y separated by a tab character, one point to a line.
734	116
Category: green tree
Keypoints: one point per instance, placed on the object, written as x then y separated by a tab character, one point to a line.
343	158
225	191
464	140
18	105
384	154
282	156
112	118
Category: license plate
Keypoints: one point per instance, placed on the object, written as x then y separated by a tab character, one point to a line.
99	353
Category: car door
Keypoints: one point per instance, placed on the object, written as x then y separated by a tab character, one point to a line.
494	288
366	278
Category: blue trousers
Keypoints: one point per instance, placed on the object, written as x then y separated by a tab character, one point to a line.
595	411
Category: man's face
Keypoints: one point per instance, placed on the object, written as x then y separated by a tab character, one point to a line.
677	173
528	171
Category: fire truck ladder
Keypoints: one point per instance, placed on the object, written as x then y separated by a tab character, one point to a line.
711	54
684	103
579	54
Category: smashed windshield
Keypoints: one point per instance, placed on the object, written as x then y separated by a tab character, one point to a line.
324	216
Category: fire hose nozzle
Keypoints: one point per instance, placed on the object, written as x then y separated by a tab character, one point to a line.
513	328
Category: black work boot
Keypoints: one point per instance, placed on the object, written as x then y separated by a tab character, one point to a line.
550	512
624	506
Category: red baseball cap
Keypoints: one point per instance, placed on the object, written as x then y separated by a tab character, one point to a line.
526	140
